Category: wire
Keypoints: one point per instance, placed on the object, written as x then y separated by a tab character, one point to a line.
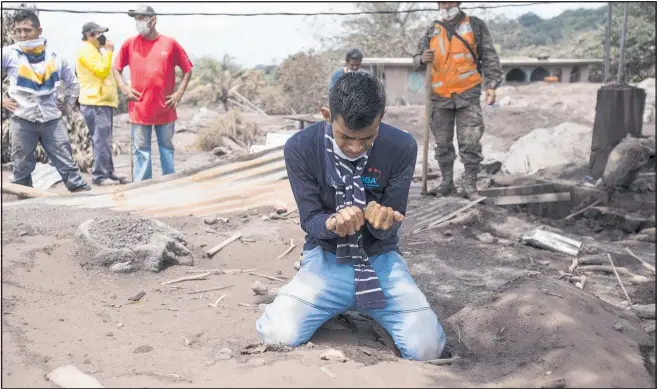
73	11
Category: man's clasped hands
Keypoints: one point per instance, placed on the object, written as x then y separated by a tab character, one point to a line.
349	220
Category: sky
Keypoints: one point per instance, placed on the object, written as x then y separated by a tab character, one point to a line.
251	41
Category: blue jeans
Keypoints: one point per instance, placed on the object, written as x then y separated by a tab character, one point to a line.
100	120
323	288
26	135
141	136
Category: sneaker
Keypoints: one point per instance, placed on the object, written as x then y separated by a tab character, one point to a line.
109	182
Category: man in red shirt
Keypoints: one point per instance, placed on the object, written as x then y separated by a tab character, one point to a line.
152	58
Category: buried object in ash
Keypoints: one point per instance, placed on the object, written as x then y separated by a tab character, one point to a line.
125	244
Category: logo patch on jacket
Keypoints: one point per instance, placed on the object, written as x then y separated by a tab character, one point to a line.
371	178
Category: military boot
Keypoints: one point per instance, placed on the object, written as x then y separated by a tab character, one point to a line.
470	182
446	187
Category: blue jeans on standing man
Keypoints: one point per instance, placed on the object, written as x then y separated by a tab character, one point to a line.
141	135
100	120
26	135
323	288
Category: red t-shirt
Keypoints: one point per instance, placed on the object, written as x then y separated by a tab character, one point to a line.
152	72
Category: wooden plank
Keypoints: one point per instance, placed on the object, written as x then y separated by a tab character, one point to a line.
23	191
529	199
70	377
521	190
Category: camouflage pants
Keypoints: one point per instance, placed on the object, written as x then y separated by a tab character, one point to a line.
469	123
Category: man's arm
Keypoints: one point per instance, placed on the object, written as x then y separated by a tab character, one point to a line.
71	87
307	193
99	67
180	59
395	194
490	61
422	45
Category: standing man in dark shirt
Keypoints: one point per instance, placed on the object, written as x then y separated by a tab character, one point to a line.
350	176
352	62
463	65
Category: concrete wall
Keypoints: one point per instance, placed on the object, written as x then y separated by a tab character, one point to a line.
403	85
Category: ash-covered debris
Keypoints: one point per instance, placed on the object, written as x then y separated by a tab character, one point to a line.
127	244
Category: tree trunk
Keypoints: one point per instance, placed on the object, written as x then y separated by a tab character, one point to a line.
618	111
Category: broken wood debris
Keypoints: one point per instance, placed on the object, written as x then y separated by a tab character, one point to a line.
450	215
613	267
581	211
222	271
644	263
328	372
268	277
550	293
197	277
216	303
444	361
530	199
137	296
289	249
223	244
210	289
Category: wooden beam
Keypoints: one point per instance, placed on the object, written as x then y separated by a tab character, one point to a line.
521	190
25	192
529	199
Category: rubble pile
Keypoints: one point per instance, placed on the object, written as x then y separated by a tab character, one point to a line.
125	244
224	134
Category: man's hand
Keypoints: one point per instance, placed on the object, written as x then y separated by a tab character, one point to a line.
346	221
380	217
9	104
428	56
132	94
109	45
174	99
490	96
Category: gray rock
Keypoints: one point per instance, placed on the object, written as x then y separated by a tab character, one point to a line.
108	256
486	238
210	220
618	326
224	354
504	242
334	355
123	267
143	349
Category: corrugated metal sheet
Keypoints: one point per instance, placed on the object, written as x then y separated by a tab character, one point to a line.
252	181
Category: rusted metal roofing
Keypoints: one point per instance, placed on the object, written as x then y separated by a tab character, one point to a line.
248	182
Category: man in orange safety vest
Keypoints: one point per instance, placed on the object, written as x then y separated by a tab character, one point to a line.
460	49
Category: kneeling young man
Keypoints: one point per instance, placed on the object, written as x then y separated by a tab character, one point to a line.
350	177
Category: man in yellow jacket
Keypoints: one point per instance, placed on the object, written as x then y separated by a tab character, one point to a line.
98	99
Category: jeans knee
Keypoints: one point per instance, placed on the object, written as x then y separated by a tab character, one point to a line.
424	338
281	323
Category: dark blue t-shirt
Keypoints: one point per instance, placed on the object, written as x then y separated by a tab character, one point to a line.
387	180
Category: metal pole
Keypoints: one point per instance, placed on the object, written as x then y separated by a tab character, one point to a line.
608	42
621	61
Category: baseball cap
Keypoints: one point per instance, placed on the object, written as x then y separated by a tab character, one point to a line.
91	26
142	9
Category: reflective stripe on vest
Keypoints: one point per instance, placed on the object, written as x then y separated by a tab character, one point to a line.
454	69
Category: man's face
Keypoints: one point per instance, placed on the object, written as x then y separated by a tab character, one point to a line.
354	143
25	31
92	37
448	5
353	65
150	20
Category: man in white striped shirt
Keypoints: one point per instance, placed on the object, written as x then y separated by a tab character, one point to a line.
350	176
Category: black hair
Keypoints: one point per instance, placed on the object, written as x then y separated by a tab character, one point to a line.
25	14
359	98
84	36
354	54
